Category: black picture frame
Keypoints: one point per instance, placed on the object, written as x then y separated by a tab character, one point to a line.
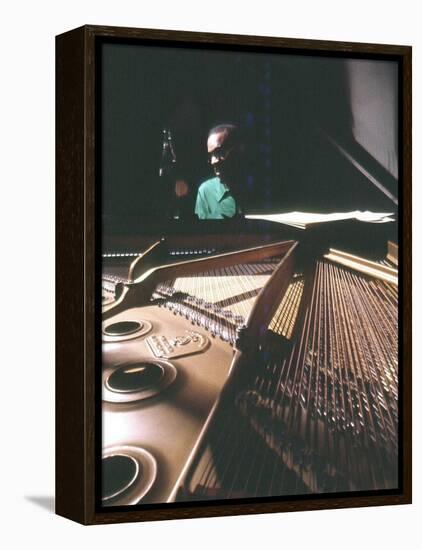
78	265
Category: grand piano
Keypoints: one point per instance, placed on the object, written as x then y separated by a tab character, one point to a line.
249	358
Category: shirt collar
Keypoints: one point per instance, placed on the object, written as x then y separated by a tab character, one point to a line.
220	189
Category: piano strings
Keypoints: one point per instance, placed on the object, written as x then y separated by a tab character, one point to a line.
320	416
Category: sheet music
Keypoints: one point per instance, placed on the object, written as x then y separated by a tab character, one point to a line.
303	219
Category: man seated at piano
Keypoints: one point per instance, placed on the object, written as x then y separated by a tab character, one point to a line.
216	198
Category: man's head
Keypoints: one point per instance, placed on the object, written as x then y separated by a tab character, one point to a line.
224	147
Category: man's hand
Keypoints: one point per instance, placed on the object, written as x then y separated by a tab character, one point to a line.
181	188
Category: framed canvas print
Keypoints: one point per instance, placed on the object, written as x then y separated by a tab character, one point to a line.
233	274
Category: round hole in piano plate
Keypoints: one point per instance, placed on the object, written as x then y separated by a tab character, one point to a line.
128	473
126	329
119	472
137	380
122	328
135	377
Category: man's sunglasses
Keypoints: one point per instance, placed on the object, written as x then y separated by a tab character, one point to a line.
220	153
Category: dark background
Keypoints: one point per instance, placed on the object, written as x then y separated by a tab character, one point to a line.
293	110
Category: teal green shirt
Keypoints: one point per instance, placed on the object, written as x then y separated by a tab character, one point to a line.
214	201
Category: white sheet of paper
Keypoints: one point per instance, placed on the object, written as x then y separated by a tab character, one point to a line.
302	219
